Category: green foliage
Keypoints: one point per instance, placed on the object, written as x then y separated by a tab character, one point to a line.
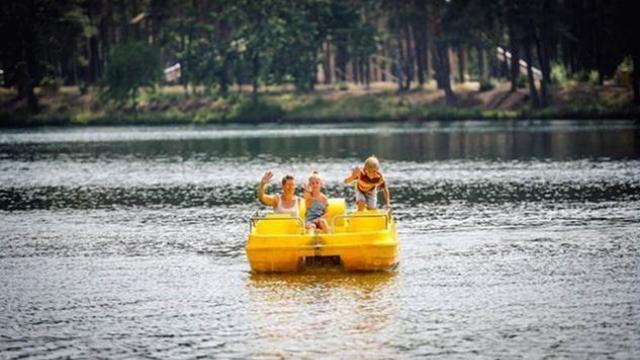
623	72
131	66
280	40
522	81
202	47
50	86
263	110
302	44
585	76
265	42
39	39
593	77
559	74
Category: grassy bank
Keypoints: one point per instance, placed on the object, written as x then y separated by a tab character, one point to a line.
380	102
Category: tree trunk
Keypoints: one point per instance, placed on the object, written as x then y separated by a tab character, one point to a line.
326	64
124	21
420	50
225	78
544	83
515	61
106	36
505	71
635	77
25	85
383	63
341	62
184	73
255	76
483	71
399	61
543	56
26	70
462	66
428	49
543	39
74	65
93	55
224	29
367	74
535	100
443	69
94	61
409	58
375	71
514	42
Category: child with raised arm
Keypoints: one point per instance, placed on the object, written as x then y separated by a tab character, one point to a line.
368	180
317	204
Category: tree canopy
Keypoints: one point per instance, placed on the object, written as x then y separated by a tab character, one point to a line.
301	42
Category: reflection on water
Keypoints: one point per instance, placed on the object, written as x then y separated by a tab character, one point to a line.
412	142
518	239
355	309
327	281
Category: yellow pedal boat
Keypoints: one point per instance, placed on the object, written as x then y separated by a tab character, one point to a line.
358	241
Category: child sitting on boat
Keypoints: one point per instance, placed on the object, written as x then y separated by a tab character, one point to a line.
368	181
317	204
285	203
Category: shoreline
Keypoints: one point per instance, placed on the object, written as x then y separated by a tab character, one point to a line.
377	104
69	123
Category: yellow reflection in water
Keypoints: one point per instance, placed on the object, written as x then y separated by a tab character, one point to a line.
321	312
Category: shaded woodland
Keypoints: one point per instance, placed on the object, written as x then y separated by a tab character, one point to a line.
120	46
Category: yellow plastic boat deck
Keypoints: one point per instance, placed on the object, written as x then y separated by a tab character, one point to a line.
361	241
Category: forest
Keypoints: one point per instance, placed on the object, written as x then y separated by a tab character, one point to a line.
118	47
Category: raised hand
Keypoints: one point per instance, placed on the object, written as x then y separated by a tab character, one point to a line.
355	172
266	177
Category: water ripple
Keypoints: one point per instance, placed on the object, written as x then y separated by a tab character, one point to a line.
518	239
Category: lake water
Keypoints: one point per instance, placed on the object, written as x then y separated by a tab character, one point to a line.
518	240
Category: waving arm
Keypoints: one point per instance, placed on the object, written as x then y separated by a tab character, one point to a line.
268	200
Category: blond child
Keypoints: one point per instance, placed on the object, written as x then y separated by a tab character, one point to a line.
317	204
368	181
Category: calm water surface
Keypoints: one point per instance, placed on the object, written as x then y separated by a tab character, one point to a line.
518	240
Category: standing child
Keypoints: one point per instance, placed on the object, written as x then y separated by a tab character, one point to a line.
317	204
368	180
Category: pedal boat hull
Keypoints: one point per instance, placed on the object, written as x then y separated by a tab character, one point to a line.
362	241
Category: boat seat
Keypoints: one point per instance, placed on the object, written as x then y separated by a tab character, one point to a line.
367	221
278	224
336	207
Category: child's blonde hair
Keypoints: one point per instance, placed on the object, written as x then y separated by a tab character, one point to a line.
316	175
372	162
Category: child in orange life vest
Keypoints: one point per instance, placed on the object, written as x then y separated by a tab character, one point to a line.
368	180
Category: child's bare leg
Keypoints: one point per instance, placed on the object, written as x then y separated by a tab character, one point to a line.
361	205
311	228
323	225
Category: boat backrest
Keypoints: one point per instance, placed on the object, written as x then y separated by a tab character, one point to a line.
368	220
337	207
278	224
